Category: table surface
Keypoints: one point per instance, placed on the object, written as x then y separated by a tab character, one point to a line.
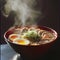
7	53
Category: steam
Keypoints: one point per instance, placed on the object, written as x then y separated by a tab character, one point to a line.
25	14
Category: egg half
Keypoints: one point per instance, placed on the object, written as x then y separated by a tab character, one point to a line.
13	36
21	41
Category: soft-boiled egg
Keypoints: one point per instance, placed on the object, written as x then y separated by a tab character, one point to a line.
13	36
21	41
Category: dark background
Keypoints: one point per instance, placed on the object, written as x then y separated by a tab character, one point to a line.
50	9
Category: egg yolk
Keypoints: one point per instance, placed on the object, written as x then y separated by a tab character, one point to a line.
13	36
22	42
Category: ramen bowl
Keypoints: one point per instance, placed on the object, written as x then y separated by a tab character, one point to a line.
31	52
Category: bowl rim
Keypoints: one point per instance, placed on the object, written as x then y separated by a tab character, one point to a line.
52	30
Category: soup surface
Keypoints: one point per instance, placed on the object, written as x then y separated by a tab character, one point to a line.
31	36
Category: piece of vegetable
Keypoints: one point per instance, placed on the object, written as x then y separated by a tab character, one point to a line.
32	36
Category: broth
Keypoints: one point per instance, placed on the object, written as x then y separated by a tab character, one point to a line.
31	36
